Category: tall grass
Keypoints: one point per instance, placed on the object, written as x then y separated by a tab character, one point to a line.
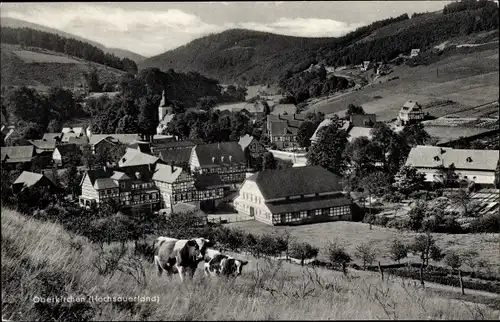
42	259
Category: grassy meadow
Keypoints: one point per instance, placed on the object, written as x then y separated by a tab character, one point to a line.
352	234
42	259
469	79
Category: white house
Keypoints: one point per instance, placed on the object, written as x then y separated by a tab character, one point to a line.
476	166
295	195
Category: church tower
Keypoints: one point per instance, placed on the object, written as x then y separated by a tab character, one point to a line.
162	108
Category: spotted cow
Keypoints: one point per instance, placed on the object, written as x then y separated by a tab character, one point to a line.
220	264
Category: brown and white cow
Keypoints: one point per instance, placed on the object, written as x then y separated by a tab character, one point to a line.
179	255
219	264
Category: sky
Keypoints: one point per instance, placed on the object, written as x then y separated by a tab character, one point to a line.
152	28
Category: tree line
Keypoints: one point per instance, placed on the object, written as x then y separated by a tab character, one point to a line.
435	29
28	37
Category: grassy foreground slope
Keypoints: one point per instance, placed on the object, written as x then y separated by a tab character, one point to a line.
42	259
42	68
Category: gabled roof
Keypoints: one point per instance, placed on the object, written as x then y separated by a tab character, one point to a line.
144	147
12	154
221	153
275	184
122	138
288	109
118	175
245	141
327	122
68	135
45	145
358	131
28	178
166	173
105	183
176	156
433	157
410	105
282	128
74	130
173	144
81	140
134	157
52	136
64	149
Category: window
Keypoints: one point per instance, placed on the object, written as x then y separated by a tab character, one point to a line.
317	212
310	213
122	185
325	211
295	215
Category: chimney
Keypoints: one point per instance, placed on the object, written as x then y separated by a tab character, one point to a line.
213	159
222	159
172	168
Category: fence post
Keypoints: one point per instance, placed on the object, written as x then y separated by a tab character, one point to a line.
461	282
380	270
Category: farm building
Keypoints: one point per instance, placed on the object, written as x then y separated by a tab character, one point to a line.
411	112
293	196
282	129
30	179
475	166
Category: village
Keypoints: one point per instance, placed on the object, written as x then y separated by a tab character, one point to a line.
254	171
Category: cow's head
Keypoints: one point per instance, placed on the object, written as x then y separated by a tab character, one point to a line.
203	244
233	266
190	251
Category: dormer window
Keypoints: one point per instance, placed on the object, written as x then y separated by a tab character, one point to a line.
469	159
436	158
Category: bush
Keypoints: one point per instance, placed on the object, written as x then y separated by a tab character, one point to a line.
451	225
393	197
489	223
338	256
303	251
398	223
381	221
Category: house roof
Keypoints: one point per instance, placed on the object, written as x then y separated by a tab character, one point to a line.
68	135
185	207
283	128
41	144
296	205
410	105
75	130
134	157
288	109
105	183
14	154
433	157
166	173
82	140
358	131
296	181
173	144
118	175
144	147
327	122
176	156
360	119
68	148
245	141
28	178
52	136
122	138
291	117
212	154
99	173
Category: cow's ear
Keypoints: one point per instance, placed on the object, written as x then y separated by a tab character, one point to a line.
243	263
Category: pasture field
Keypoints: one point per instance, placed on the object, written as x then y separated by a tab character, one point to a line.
36	57
23	67
42	259
352	234
469	79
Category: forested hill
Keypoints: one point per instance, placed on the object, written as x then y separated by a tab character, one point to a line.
27	37
257	57
120	53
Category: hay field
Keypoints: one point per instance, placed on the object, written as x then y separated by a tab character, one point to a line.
42	259
37	57
352	234
468	79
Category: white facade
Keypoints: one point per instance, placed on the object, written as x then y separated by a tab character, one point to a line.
251	202
479	177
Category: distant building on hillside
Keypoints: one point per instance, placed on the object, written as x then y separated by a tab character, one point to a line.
477	166
284	109
282	129
366	65
358	125
294	196
14	155
410	113
414	52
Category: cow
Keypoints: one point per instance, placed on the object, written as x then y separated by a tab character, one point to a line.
179	255
220	264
